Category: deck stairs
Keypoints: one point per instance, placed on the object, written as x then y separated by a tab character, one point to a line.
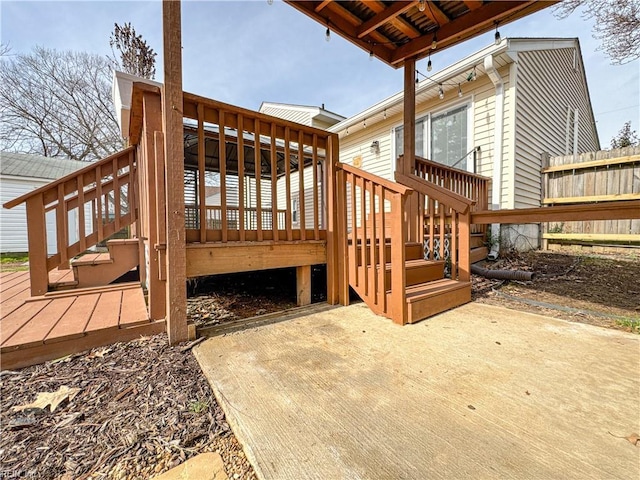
95	269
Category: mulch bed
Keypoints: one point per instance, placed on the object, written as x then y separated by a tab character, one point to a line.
142	408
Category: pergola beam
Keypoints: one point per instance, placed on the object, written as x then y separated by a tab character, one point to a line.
434	13
322	4
377	6
473	4
383	17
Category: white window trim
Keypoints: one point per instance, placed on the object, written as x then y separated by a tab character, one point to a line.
427	115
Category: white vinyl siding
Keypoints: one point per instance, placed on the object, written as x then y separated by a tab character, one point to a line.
297	115
547	85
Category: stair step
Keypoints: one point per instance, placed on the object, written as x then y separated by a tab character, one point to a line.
478	253
92	259
428	299
417	271
413	251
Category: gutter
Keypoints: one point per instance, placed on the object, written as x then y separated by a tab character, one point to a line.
496	192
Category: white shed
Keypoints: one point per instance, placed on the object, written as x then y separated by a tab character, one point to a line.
19	174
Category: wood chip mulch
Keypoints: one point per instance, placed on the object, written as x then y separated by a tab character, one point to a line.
142	408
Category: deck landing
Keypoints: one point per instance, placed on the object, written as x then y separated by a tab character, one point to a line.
36	329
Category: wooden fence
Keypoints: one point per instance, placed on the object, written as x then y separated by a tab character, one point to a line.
594	177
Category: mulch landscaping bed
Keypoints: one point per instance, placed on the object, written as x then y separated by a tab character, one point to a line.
131	411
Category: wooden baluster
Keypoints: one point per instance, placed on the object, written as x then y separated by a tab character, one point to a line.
354	230
432	228
258	174
202	194
314	162
62	232
303	223
132	187
116	196
372	244
100	207
241	199
287	175
274	184
222	155
382	255
453	247
82	234
363	223
443	218
37	240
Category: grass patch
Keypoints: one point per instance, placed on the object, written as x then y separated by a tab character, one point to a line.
6	258
632	324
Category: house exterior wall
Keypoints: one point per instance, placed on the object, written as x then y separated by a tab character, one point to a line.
13	234
549	82
479	95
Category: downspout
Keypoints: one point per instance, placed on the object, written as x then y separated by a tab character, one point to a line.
496	192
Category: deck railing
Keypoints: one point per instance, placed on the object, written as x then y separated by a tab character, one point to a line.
101	196
448	224
246	139
472	186
369	208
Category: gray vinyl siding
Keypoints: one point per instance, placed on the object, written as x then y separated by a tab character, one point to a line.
547	84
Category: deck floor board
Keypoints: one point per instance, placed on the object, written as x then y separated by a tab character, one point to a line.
37	329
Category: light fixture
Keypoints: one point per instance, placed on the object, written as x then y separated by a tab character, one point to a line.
459	91
375	147
422	4
429	66
270	2
497	35
440	92
371	55
384	115
434	43
364	123
327	35
346	134
472	75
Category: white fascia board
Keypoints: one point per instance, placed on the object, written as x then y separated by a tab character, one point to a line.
440	77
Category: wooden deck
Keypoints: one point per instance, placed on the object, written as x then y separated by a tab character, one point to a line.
37	329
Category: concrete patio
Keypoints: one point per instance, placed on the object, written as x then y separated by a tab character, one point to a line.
477	392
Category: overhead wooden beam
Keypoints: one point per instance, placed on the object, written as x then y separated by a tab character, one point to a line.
172	107
479	21
377	6
385	16
355	22
473	4
346	28
434	13
322	4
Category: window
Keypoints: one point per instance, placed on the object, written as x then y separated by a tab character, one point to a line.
449	132
442	137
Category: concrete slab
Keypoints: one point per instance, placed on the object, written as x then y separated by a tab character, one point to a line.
478	392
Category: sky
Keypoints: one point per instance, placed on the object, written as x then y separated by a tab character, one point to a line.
247	52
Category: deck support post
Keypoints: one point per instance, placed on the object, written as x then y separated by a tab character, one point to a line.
172	117
303	285
407	163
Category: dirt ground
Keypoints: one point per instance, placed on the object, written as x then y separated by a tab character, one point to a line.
598	289
143	407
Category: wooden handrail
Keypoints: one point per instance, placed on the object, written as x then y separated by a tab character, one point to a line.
389	185
457	202
431	163
72	176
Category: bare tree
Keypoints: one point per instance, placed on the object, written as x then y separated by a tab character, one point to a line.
136	57
58	104
617	25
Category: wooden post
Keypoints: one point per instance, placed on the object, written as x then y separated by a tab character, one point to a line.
334	274
407	166
174	167
544	187
37	238
303	285
464	246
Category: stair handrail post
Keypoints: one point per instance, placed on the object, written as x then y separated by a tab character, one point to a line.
399	224
464	244
37	241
